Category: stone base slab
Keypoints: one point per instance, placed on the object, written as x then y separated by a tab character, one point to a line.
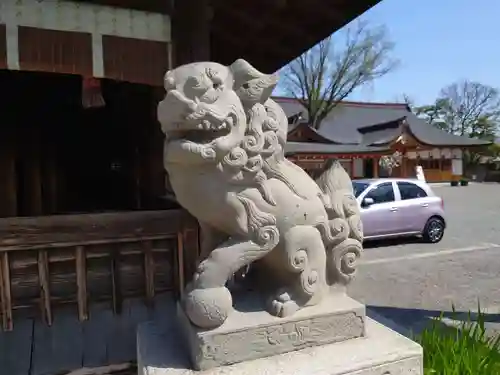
250	333
381	352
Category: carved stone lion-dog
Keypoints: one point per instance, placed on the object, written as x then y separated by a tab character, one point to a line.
224	153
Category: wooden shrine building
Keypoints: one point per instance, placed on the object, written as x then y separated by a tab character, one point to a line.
359	134
88	242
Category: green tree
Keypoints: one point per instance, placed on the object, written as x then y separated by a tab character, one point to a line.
465	108
326	74
434	114
494	150
469	109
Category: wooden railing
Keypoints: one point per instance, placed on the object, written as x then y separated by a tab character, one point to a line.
53	261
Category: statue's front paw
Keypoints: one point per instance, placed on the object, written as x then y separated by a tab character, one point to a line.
208	308
283	305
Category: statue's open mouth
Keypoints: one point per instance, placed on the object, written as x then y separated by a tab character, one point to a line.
192	120
205	133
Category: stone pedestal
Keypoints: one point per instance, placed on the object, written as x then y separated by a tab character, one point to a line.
252	333
381	352
334	337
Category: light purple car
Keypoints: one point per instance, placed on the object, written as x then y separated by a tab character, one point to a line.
393	207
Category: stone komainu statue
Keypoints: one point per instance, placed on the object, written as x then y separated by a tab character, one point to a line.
224	152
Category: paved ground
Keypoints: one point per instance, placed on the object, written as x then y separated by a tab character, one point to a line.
408	281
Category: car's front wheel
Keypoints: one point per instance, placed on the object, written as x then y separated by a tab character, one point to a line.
434	230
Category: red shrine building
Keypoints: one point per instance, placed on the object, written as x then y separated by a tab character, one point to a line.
359	134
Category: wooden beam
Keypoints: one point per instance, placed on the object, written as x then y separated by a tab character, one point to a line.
29	232
149	272
81	282
138	177
5	290
116	291
180	264
43	275
162	6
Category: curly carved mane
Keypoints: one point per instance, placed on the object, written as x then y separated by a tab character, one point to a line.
245	162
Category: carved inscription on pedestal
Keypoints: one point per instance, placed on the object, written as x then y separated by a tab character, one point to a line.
279	338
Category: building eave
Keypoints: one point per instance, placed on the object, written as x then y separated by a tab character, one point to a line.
245	30
294	148
448	141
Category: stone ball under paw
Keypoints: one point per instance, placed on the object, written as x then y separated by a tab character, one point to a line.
208	308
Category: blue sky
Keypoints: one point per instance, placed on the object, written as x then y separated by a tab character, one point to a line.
437	42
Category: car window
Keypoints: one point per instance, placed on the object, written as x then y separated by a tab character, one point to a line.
359	187
382	193
410	191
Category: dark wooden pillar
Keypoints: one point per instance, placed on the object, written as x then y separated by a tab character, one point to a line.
33	176
375	167
191	31
49	182
8	184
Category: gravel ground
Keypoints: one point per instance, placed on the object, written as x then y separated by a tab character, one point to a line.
408	281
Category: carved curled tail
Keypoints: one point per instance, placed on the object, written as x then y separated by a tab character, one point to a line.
341	251
334	182
306	256
339	198
343	235
353	216
341	262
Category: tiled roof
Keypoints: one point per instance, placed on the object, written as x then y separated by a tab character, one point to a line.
345	124
431	135
381	136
